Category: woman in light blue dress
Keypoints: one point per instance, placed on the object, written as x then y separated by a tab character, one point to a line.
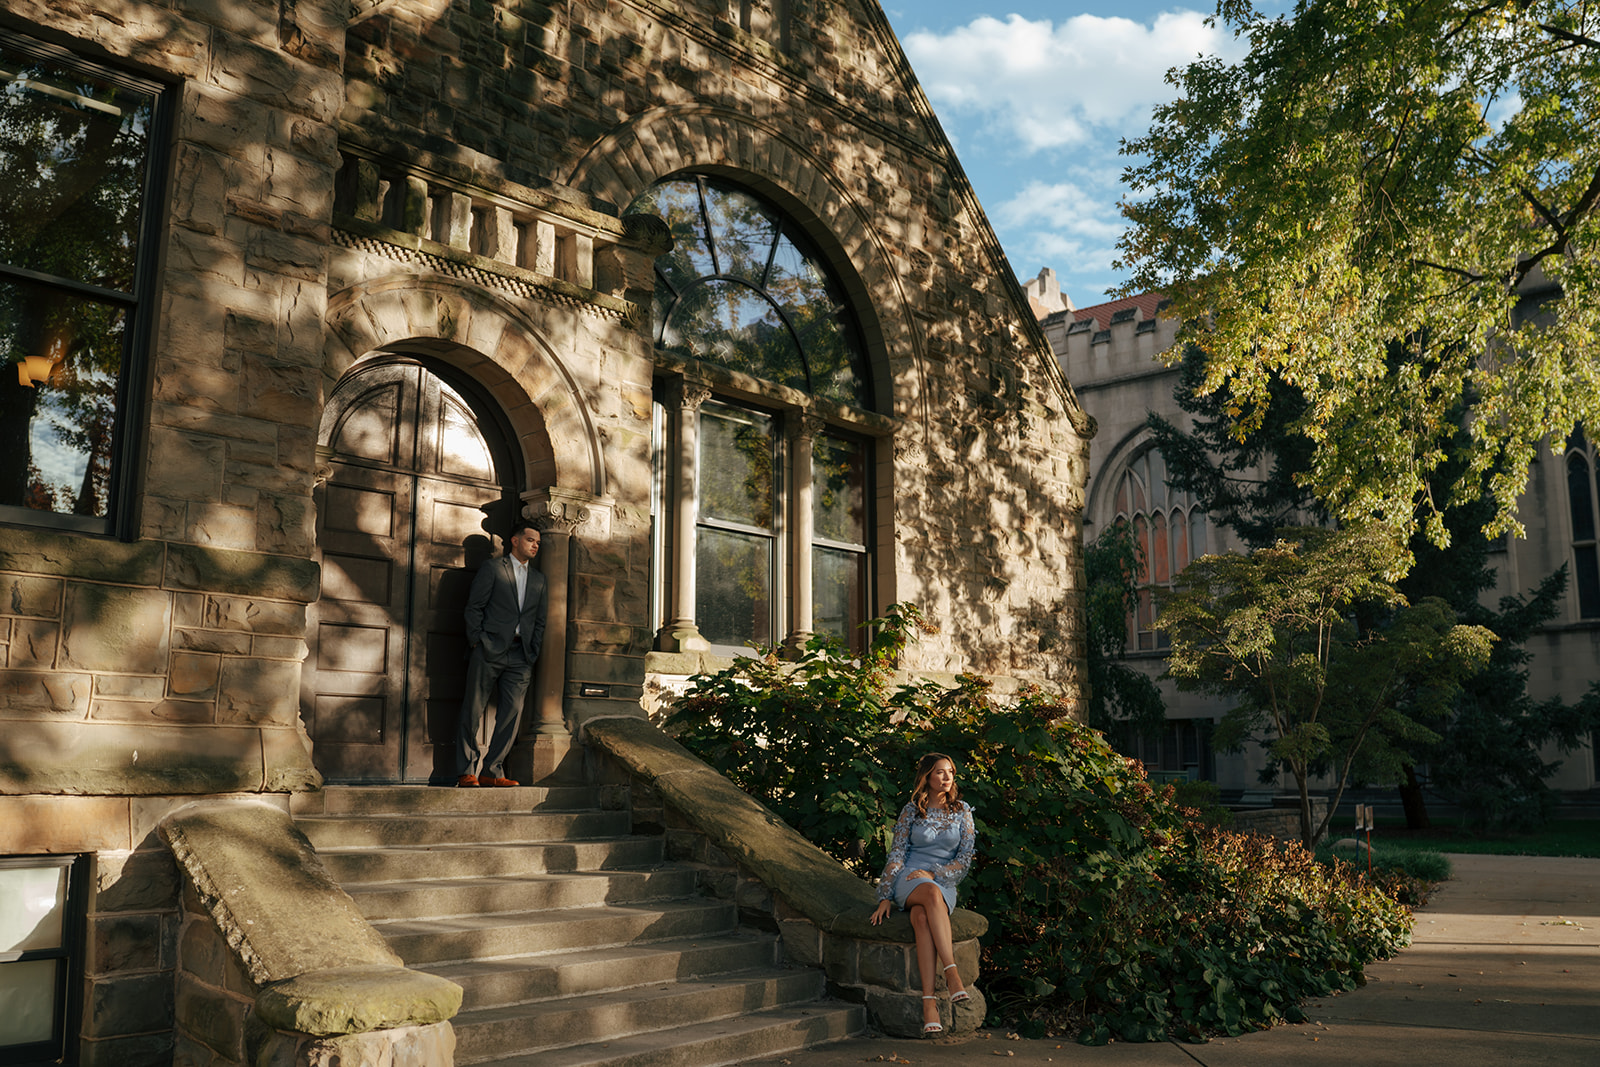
932	851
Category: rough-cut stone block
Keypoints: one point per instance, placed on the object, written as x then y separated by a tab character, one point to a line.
130	686
890	965
146	880
250	574
148	1050
39	552
140	1004
25	594
123	943
411	1046
107	628
187	466
33	644
36	694
54	825
211	1016
232	644
256	615
259	692
128	760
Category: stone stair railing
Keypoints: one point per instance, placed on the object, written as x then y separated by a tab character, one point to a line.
778	879
276	967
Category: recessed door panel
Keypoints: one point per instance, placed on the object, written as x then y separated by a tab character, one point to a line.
403	520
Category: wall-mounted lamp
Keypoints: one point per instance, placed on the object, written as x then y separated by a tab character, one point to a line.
34	369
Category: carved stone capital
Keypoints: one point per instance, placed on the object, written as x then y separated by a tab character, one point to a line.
567	511
690	394
807	427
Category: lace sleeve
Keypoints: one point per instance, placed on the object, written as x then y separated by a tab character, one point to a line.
952	872
897	852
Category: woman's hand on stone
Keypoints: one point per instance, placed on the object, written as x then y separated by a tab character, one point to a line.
879	913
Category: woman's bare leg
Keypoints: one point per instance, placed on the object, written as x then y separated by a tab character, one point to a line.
927	899
925	958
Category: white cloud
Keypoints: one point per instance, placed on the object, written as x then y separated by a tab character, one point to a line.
1064	207
1086	79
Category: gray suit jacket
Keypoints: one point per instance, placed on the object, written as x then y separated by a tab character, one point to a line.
492	617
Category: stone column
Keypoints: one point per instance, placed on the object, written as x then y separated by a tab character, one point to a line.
802	525
556	513
680	634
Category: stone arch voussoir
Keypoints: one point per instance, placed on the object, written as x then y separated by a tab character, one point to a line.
479	333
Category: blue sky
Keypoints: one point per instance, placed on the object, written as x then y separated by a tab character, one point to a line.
1036	98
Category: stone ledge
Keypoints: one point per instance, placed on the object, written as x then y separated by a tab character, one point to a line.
117	759
355	1000
808	880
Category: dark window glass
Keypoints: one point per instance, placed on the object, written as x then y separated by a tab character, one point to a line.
736	539
1581	501
839	546
75	176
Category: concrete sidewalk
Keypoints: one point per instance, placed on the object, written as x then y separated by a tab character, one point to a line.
1504	970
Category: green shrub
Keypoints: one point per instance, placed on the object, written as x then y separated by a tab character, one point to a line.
1110	913
1408	875
1203	801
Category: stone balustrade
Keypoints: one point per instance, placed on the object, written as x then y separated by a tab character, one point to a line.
506	224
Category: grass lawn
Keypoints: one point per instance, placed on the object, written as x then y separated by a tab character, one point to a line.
1559	837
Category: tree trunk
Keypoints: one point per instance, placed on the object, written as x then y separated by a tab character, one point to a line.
1411	799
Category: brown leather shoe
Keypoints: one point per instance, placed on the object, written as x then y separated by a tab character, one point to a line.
467	781
499	783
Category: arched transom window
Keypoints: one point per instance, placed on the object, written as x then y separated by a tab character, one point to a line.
742	288
1170	529
761	507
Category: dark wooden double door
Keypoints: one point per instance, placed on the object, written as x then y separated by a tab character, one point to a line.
414	503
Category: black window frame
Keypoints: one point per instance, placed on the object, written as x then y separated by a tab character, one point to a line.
60	1049
142	303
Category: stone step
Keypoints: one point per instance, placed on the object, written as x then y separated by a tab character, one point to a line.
467	937
493	983
352	831
473	893
352	866
760	1035
493	1032
420	799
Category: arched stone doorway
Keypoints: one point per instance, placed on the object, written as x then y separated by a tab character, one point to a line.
419	485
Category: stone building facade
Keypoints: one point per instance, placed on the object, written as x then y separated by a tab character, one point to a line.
308	300
1111	354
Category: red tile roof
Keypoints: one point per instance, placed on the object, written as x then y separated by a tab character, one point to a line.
1145	302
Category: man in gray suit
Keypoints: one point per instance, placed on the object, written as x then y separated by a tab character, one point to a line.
505	627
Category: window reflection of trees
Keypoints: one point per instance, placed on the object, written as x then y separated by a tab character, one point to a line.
741	288
74	147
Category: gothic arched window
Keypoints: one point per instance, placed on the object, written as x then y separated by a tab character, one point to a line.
1582	500
769	465
1170	529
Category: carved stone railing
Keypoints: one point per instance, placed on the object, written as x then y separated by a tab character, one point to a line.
550	244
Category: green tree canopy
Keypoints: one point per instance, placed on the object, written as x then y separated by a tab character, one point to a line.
1391	207
1275	631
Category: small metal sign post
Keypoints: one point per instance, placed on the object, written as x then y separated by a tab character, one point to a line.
1364	822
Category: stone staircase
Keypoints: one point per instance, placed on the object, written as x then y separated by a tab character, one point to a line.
576	942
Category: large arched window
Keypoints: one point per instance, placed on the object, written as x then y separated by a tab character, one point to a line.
761	509
1582	500
1170	529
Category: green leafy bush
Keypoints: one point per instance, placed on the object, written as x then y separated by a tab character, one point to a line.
1408	875
1111	914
